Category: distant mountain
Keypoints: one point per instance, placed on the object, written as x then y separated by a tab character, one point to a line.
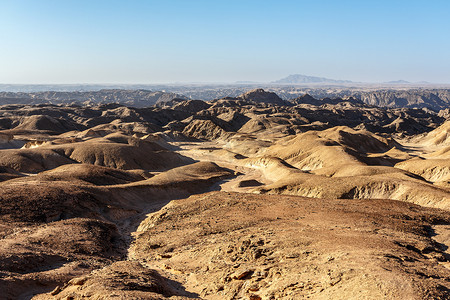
398	82
301	79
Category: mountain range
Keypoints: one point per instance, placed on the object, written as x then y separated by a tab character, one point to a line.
301	79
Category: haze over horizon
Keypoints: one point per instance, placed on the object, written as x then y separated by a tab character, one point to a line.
151	42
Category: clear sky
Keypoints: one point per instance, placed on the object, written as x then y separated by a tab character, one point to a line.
137	41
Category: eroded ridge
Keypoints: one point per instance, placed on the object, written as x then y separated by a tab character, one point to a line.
251	197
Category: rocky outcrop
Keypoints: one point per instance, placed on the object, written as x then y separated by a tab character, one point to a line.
261	96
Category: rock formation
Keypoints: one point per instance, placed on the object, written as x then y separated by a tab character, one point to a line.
244	197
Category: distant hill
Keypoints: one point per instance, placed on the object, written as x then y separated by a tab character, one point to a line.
398	82
261	96
401	81
300	79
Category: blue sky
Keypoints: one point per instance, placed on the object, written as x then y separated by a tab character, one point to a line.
136	41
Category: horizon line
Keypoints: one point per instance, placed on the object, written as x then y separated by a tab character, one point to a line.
240	82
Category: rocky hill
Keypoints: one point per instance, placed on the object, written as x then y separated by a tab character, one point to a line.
260	96
245	197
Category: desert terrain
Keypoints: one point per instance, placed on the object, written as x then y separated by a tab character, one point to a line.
244	197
